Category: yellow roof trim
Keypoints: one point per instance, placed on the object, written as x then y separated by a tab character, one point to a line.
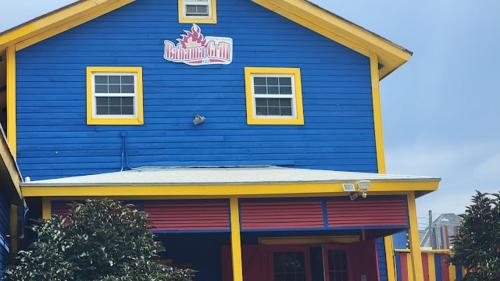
225	190
324	22
74	13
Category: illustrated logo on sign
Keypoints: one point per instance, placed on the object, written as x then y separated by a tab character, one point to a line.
193	48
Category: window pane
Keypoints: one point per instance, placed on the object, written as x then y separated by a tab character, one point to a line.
261	111
127	79
286	111
284	81
114	88
272	81
261	102
115	110
190	9
101	79
285	90
272	90
102	101
128	89
202	9
285	102
102	110
115	101
259	90
101	88
127	101
114	79
274	111
273	102
128	110
259	81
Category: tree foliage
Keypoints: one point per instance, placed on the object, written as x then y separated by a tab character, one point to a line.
477	245
99	240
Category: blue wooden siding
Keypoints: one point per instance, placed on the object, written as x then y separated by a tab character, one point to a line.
382	263
55	141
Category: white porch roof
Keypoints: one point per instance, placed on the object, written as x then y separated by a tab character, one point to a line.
221	175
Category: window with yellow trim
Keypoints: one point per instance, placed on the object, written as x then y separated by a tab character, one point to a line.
197	11
274	96
114	96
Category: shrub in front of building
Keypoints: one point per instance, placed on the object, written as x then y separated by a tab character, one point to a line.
477	245
99	240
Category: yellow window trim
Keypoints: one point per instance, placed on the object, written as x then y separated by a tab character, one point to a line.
251	119
137	120
209	20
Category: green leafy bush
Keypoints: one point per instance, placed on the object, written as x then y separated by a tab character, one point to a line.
477	245
99	240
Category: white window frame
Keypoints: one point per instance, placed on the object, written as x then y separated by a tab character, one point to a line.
293	97
95	95
185	3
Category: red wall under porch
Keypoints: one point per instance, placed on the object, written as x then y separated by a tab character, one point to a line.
257	260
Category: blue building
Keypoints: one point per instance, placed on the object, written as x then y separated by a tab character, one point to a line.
244	128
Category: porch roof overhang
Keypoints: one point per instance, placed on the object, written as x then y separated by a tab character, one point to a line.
225	182
10	176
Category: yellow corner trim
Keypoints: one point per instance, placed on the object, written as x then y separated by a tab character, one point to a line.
138	120
377	113
11	100
225	190
251	119
212	19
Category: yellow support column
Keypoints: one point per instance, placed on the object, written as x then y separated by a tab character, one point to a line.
236	240
46	208
409	261
389	256
416	254
432	266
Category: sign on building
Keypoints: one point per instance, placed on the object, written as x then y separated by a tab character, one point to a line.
193	48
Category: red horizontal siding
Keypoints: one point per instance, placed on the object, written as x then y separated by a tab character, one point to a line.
60	207
281	214
190	215
367	213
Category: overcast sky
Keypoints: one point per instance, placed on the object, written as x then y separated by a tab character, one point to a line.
441	111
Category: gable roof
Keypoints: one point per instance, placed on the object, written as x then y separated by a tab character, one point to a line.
303	12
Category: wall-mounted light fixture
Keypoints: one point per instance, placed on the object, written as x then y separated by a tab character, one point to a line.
363	186
199	119
355	190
